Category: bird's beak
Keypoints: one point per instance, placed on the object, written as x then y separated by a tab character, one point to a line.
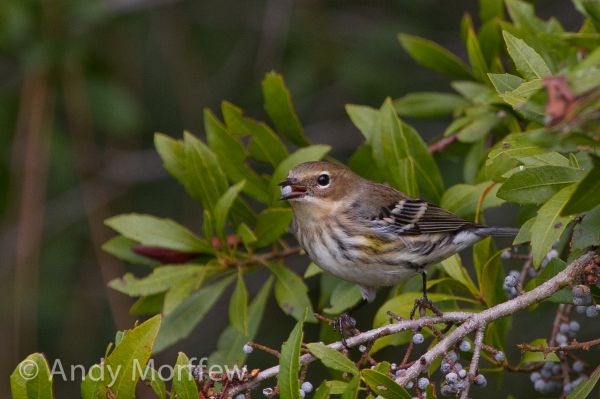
291	189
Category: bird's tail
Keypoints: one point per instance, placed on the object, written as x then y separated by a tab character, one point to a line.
495	231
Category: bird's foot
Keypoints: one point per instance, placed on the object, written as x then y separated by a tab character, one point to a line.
423	304
344	322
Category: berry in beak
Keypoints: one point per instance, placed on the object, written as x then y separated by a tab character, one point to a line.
290	189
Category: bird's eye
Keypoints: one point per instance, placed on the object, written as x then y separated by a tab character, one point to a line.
323	180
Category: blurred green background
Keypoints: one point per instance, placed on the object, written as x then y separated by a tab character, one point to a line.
84	84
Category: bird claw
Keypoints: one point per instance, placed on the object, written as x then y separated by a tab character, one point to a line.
423	304
343	321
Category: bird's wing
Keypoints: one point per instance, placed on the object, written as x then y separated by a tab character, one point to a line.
406	216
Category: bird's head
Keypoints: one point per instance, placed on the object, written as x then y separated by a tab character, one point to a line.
319	182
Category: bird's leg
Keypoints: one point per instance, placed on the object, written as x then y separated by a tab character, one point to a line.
345	321
424	303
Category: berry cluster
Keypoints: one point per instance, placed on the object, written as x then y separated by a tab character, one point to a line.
582	299
455	376
510	283
547	380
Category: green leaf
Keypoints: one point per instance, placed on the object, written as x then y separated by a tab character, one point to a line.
181	290
537	185
434	56
305	154
181	321
129	357
402	305
152	231
312	270
246	234
147	305
229	346
224	205
505	82
549	225
584	389
586	195
524	234
489	9
323	391
238	306
587	232
184	384
332	358
383	385
172	153
454	268
344	296
490	285
426	105
121	248
156	382
533	357
204	178
476	58
161	279
32	379
271	224
278	104
478	128
462	199
364	118
351	391
336	387
264	144
529	63
291	292
289	364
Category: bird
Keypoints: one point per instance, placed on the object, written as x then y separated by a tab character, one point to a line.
369	233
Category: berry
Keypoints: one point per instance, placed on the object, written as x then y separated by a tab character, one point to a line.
535	376
452	356
393	366
564	328
552	254
515	273
500	356
423	383
302	393
592	311
447	390
506	254
465	346
362	348
240	396
561	338
247	349
556	369
574	326
458	366
567	388
539	385
418	339
409	385
510	281
480	380
578	366
462	373
451	377
306	387
580	309
268	391
445	367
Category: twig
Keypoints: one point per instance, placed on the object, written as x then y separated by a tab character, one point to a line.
484	194
473	368
265	349
442	143
574	345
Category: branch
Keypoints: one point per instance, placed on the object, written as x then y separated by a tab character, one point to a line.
442	143
471	321
586	345
474	362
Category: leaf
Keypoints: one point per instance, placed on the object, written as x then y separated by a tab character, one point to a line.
161	279
344	296
32	379
224	205
476	58
584	389
246	234
265	145
153	231
312	270
461	199
434	56
505	82
533	357
178	292
364	118
332	359
537	185
184	384
426	104
278	104
129	357
156	382
587	232
172	153
181	321
402	305
305	154
147	305
490	285
524	234
323	391
383	385
229	346
529	63
478	128
238	306
549	225
271	224
586	195
291	293
289	364
121	248
454	268
351	391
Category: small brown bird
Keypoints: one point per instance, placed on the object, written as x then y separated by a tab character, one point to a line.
369	233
